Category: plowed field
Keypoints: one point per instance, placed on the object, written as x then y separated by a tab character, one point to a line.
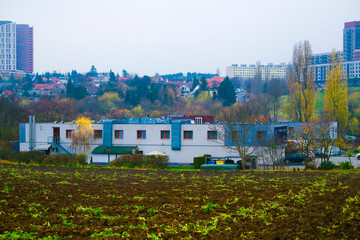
60	203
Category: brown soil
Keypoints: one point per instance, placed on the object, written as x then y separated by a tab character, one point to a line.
146	204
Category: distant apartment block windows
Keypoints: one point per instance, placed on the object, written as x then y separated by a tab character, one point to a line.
119	134
141	134
165	134
68	133
98	134
188	135
212	135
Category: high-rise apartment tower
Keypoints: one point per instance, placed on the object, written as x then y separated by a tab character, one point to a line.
352	41
16	47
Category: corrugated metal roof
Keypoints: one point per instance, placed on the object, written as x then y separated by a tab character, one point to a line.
113	150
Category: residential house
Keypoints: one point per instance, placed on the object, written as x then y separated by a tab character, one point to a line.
8	94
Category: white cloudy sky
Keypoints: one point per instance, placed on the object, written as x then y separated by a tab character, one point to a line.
168	36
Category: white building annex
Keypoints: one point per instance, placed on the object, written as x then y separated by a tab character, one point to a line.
180	137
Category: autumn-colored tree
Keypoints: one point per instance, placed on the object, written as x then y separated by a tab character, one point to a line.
301	84
336	102
167	95
83	136
109	101
354	126
120	113
137	111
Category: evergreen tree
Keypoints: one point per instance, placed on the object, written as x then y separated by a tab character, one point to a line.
74	75
92	72
195	83
79	92
203	85
125	73
226	92
112	76
69	89
39	79
28	85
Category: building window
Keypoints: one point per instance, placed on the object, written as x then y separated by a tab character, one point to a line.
119	134
97	133
69	133
198	120
165	134
141	134
235	136
291	132
260	135
188	134
212	135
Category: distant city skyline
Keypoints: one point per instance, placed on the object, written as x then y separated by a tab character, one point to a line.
148	37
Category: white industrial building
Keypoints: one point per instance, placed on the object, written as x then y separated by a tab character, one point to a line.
181	138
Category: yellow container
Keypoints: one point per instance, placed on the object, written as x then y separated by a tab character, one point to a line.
219	162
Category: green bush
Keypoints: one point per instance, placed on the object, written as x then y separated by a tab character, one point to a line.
157	161
346	165
198	161
139	160
65	160
326	165
81	158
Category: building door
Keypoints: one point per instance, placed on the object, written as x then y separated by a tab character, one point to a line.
56	134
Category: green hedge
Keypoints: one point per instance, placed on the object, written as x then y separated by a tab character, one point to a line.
141	161
65	160
198	161
39	158
23	157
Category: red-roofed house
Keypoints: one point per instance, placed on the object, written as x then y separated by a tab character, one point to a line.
44	87
8	94
48	89
214	82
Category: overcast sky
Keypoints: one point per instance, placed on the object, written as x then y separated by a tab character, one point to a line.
170	36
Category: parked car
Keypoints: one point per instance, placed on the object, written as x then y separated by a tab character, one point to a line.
357	156
319	154
296	158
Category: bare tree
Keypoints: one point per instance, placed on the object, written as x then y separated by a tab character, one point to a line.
305	138
236	130
301	84
273	154
275	90
256	83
